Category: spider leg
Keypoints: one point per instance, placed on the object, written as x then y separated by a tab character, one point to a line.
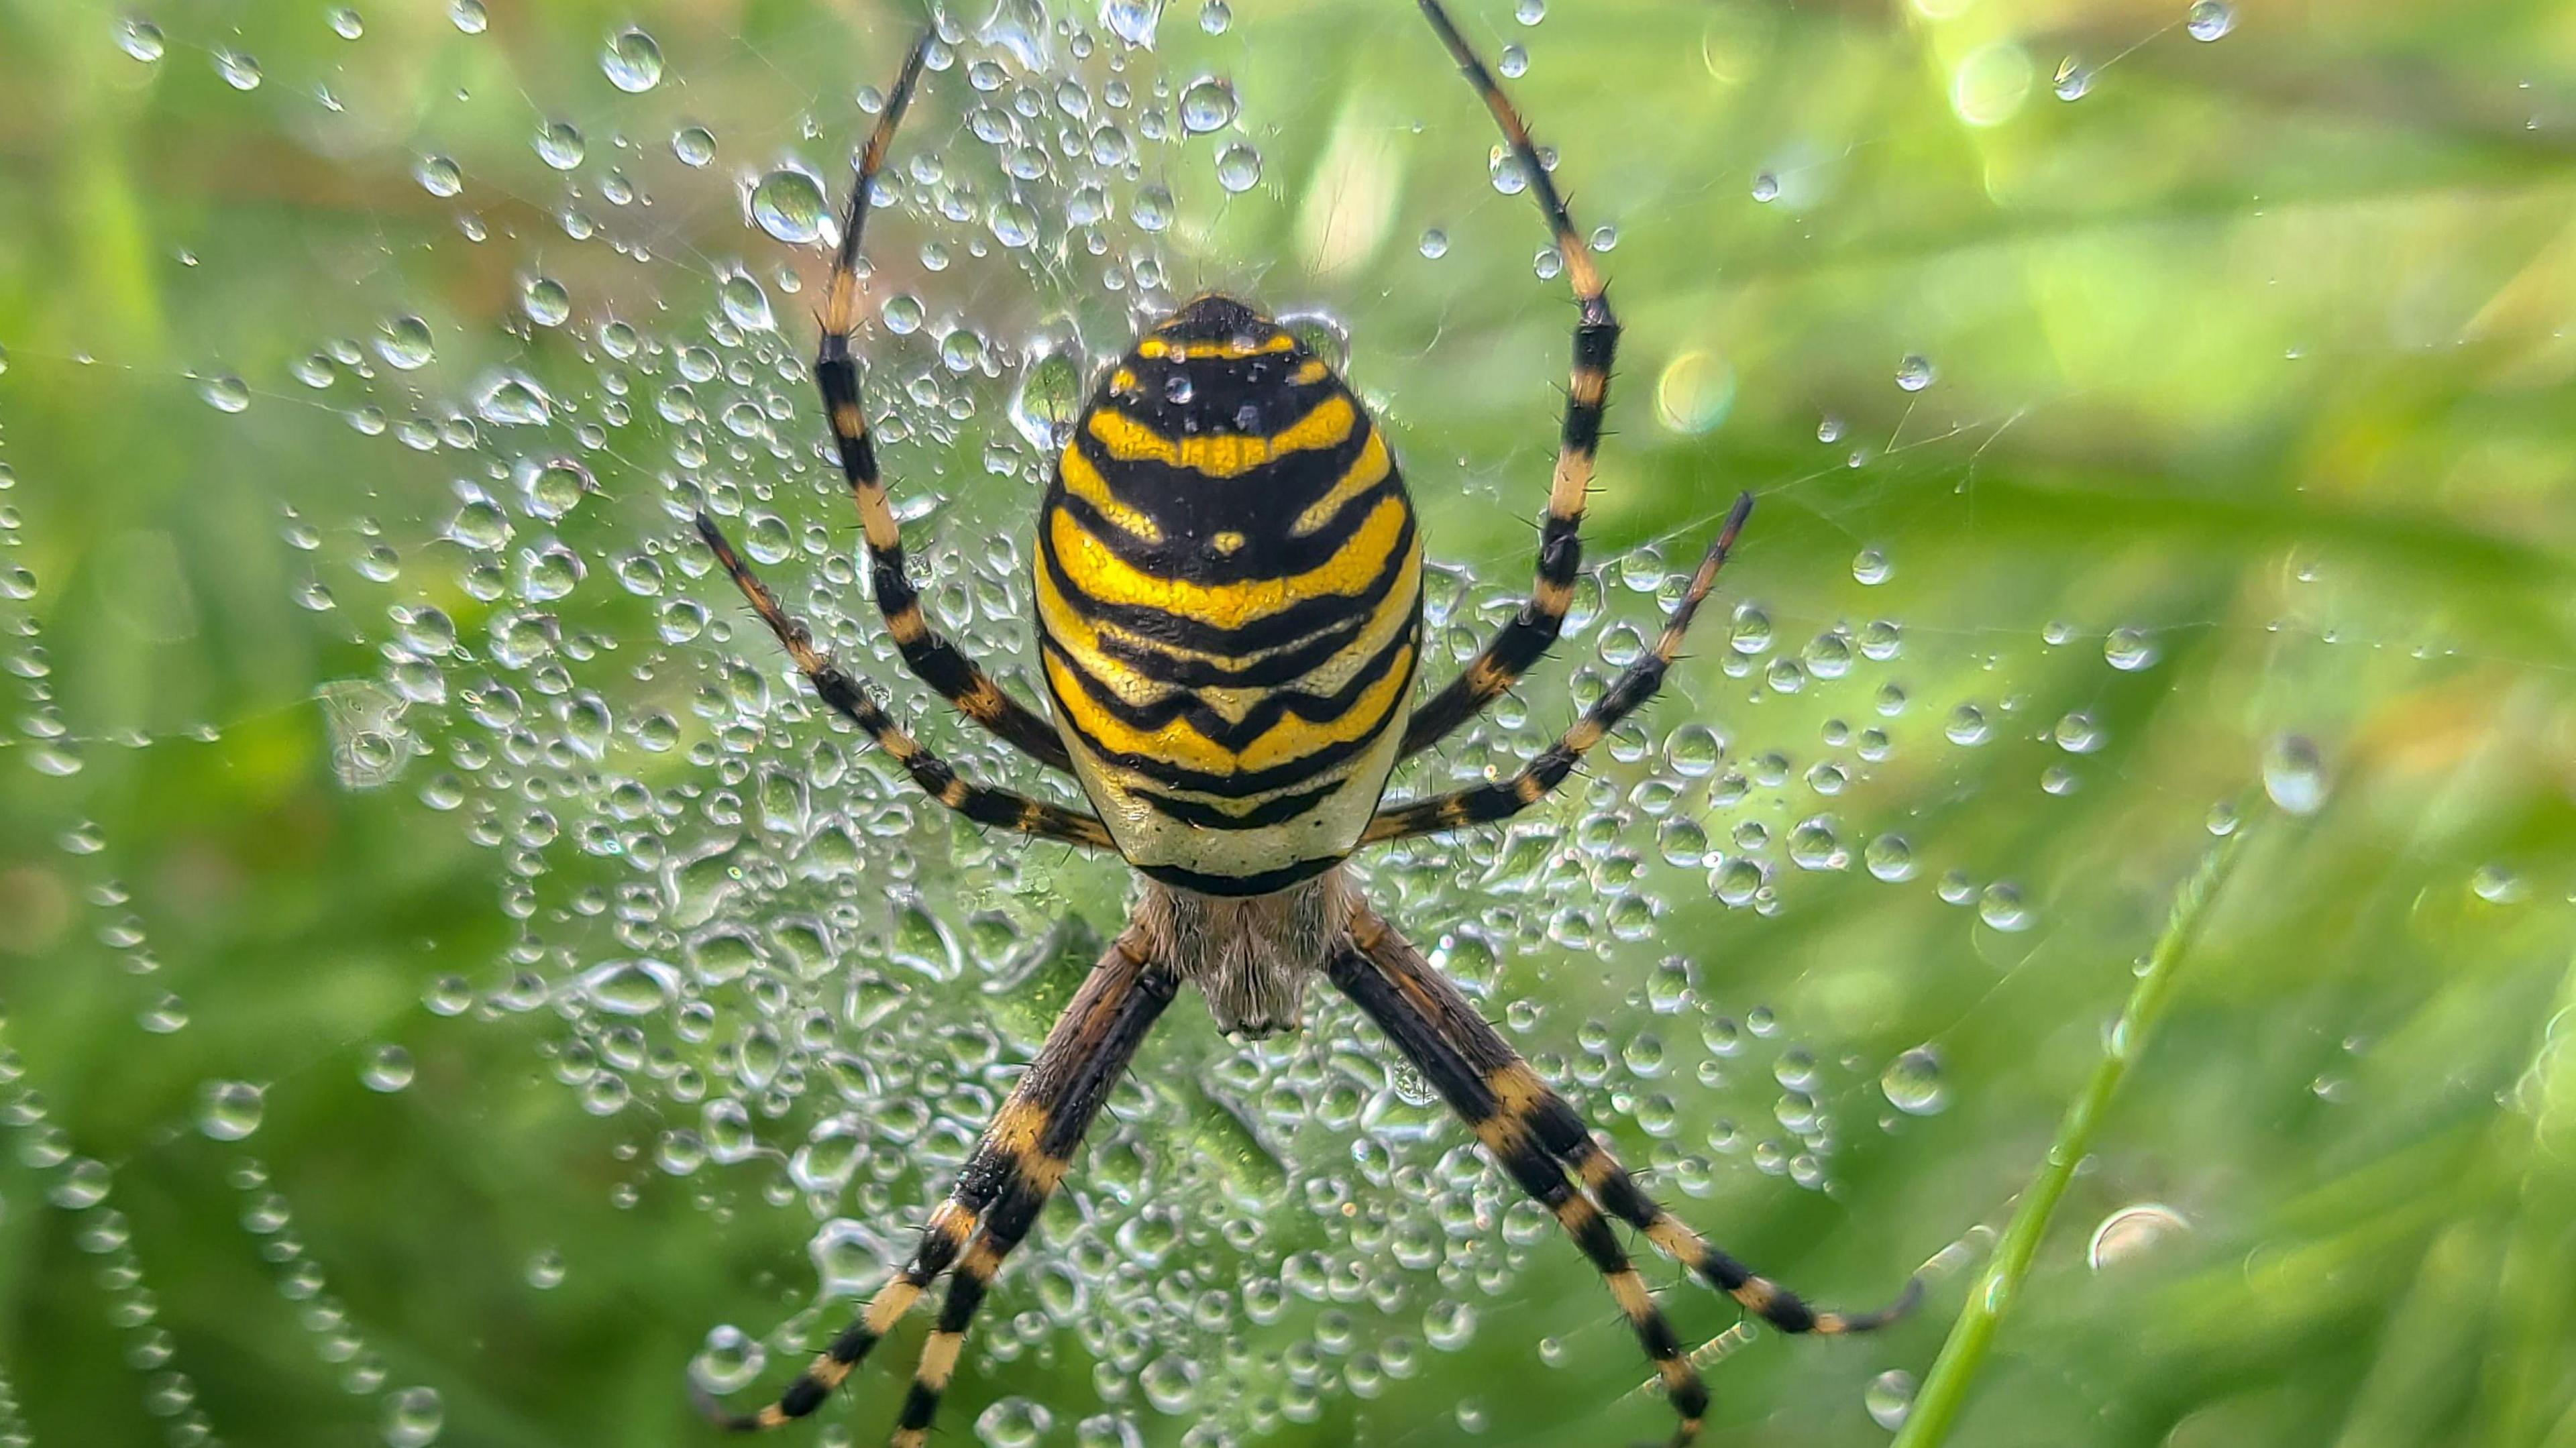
1096	1050
1486	803
980	803
930	656
1596	340
1018	1162
1537	1139
1416	1014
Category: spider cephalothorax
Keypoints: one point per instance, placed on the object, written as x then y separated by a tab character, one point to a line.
1228	584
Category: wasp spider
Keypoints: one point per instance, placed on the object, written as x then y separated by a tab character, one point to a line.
1229	598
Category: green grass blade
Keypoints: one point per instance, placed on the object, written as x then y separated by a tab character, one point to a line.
1945	1391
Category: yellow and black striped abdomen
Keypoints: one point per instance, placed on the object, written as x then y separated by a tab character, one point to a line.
1229	597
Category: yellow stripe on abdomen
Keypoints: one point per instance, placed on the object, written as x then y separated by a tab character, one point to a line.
1223	454
1104	577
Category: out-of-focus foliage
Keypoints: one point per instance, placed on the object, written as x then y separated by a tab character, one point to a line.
2162	415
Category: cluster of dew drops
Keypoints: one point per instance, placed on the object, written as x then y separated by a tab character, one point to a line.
803	983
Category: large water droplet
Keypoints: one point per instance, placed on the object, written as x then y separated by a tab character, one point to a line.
2294	775
630	987
513	401
1048	399
1888	1398
631	61
413	1417
1132	21
2131	1232
560	145
228	1110
404	343
788	204
1208	104
1912	1083
1238	168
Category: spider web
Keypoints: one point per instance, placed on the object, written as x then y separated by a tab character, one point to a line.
547	301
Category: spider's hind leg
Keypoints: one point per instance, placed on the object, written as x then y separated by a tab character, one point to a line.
1016	1165
1537	1139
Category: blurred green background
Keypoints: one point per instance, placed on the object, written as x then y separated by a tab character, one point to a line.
2158	411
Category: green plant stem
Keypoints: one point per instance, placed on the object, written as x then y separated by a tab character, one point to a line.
1945	1390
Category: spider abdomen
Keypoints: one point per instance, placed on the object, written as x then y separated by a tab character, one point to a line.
1228	605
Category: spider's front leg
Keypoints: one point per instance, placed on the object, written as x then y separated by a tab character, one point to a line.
931	657
1521	642
1486	803
1014	1168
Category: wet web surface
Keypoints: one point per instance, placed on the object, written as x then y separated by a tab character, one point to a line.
548	303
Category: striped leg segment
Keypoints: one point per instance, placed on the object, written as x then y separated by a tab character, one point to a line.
1088	1051
1596	341
1019	1161
1486	803
980	803
931	657
1535	1136
1450	1044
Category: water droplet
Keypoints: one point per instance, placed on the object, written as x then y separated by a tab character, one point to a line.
1513	62
694	145
560	145
2001	907
413	1416
139	38
2132	1231
386	1068
239	70
1013	222
631	61
1238	168
1888	1398
2294	775
469	16
730	1359
745	304
1132	21
1912	1083
2074	79
1870	566
513	401
1152	208
545	1269
2497	885
545	301
1914	373
1435	243
228	1110
1208	104
630	987
788	204
1013	1422
2209	19
404	343
1322	334
224	394
1048	399
438	176
2129	650
552	487
346	22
